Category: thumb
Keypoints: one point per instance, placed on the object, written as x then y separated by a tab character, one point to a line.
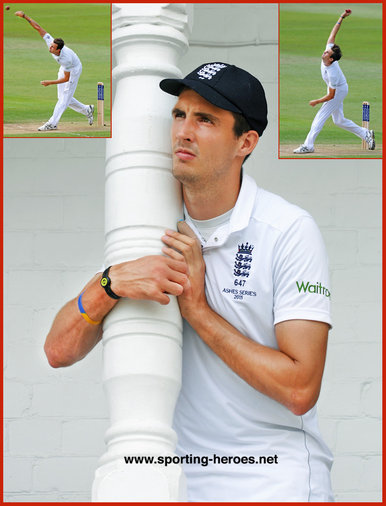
184	228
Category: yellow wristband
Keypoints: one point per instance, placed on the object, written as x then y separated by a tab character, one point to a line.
83	312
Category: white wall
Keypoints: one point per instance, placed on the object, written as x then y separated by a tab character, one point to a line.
56	419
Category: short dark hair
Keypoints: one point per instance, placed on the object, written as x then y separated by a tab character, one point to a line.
336	53
240	126
59	42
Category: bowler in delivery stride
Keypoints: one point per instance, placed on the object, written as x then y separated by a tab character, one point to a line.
68	77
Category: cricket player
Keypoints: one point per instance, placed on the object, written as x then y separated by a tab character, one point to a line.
337	90
251	276
68	77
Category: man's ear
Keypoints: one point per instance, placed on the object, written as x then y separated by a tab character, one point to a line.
249	141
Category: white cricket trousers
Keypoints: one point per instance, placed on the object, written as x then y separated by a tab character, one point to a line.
333	108
66	97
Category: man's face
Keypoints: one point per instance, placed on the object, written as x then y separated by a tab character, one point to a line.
54	49
204	144
326	56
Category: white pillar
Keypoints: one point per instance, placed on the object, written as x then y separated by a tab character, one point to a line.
142	340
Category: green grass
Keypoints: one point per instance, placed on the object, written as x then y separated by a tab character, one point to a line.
85	28
86	133
304	29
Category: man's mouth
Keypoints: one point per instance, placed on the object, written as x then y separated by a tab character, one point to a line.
184	154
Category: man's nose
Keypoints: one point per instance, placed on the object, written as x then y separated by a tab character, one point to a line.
185	130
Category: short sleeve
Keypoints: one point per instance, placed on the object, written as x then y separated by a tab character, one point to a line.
66	66
67	59
300	274
48	39
333	77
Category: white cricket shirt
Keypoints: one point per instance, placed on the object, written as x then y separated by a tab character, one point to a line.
332	74
67	59
266	265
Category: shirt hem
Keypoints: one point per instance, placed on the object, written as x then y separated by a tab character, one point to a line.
303	314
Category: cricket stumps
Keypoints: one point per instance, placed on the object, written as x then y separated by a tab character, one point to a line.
365	120
100	104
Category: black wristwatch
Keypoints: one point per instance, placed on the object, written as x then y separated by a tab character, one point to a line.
106	284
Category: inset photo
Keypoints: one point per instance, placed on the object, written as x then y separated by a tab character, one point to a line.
57	70
330	80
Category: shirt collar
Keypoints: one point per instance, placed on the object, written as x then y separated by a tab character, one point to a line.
240	216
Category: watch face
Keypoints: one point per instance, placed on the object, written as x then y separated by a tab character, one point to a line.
104	281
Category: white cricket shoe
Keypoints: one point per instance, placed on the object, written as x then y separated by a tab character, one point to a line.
47	126
90	114
303	149
370	139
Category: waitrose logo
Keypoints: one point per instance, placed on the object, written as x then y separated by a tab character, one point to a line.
304	287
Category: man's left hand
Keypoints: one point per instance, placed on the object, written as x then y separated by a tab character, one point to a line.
45	83
313	103
185	245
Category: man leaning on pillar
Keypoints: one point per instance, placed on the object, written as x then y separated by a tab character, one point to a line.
251	277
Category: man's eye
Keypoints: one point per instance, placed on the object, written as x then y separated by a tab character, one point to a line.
178	114
205	119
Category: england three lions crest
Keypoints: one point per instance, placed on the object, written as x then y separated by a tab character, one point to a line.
243	260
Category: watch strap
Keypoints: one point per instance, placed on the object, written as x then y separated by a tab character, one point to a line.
106	284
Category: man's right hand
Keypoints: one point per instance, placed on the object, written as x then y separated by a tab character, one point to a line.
149	278
20	14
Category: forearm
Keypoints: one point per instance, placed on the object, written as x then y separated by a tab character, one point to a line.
330	95
34	24
56	81
149	278
335	30
268	370
321	100
71	337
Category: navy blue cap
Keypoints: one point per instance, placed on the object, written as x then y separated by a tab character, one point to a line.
227	87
